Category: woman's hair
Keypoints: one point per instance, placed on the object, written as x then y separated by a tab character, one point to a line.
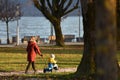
32	38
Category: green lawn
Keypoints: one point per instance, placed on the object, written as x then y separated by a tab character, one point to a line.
14	59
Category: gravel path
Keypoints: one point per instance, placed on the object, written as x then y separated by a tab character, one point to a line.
39	71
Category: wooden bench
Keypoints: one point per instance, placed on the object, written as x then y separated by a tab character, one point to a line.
69	38
27	38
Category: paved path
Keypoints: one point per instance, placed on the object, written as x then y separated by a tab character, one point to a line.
39	71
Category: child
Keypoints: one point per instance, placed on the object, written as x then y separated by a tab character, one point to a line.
51	64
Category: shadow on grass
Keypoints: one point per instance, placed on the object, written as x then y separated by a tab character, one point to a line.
43	50
46	76
3	71
42	76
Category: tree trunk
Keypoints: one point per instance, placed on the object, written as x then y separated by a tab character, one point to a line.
86	68
7	33
58	33
118	23
106	66
118	27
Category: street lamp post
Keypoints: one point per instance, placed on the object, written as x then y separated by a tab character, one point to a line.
17	32
51	40
79	23
17	29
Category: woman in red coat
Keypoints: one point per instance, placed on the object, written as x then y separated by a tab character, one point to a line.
32	50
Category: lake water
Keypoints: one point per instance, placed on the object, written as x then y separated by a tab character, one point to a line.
32	26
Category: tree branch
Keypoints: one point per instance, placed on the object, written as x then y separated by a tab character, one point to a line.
62	3
36	3
49	5
72	9
68	5
45	12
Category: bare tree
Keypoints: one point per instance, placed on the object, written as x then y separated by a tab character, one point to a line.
118	23
54	10
90	63
87	67
8	12
106	65
118	27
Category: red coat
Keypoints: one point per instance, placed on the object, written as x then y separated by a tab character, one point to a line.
32	50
